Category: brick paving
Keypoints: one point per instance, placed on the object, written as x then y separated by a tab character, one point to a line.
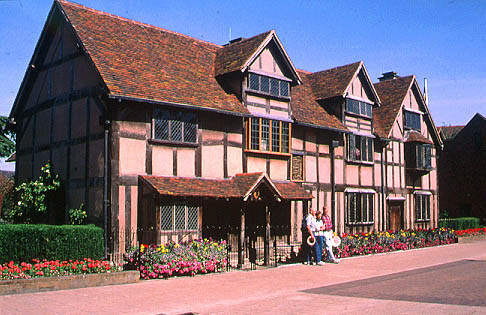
407	282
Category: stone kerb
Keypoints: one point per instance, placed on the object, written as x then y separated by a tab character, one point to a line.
20	286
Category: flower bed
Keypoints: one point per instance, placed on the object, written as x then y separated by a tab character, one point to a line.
382	242
173	259
472	232
56	268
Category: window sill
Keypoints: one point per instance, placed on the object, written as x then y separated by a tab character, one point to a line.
177	231
260	93
173	143
268	153
365	163
360	223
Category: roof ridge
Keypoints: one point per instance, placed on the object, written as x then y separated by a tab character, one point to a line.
135	22
338	67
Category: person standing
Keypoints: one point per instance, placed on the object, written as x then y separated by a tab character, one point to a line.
328	234
310	231
319	234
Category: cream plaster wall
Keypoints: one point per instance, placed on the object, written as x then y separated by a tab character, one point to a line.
162	160
132	156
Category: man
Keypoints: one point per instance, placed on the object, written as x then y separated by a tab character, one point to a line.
328	234
310	231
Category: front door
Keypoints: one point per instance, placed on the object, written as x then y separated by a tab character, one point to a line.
396	218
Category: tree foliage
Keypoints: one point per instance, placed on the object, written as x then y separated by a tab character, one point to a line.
32	203
7	139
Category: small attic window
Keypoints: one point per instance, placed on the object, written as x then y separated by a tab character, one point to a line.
412	120
359	108
268	85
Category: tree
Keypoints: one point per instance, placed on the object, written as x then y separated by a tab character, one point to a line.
7	138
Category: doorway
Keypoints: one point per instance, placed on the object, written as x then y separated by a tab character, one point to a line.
396	212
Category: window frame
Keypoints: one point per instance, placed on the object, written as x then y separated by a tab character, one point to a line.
419	156
251	146
173	207
171	116
362	112
270	86
422	214
370	211
412	124
352	150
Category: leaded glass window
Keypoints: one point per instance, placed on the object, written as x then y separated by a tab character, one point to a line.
359	208
268	135
176	126
179	217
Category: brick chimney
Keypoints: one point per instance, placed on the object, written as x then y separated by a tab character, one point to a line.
388	76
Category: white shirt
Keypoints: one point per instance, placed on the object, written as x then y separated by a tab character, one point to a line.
311	221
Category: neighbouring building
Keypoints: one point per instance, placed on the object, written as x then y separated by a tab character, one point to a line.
164	136
462	169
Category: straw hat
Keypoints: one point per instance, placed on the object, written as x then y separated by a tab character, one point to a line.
311	241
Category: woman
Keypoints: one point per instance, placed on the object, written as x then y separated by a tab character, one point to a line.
319	234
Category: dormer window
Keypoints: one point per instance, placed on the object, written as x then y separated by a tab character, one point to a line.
268	85
359	108
412	120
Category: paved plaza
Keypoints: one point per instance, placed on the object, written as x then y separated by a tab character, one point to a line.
438	280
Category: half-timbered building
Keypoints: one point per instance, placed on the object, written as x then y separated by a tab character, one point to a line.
156	131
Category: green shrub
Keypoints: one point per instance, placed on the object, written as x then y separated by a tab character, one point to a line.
24	242
77	215
459	224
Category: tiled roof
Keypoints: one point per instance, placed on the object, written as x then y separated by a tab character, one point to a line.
332	82
233	57
392	93
142	61
449	132
238	186
305	108
414	136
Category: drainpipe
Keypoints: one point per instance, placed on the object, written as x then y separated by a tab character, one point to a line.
382	191
106	201
334	144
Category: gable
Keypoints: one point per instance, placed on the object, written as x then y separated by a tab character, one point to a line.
270	61
57	59
361	88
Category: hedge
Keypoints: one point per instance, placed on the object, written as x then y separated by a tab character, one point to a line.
24	242
463	223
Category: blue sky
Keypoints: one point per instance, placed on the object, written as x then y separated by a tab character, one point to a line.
443	41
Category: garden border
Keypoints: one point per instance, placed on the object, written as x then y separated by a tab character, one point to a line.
20	286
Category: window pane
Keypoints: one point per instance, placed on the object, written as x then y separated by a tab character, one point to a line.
427	208
192	218
370	149
418	204
285	137
275	136
166	218
352	208
427	154
180	217
265	84
371	216
190	127
161	124
274	87
351	147
176	126
364	208
369	111
254	82
265	141
364	149
363	108
284	88
255	134
420	156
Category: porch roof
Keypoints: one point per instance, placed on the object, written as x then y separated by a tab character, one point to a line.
238	186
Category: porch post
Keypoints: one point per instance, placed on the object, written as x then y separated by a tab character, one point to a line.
241	238
266	251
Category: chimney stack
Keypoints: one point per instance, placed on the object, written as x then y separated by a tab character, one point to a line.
388	76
